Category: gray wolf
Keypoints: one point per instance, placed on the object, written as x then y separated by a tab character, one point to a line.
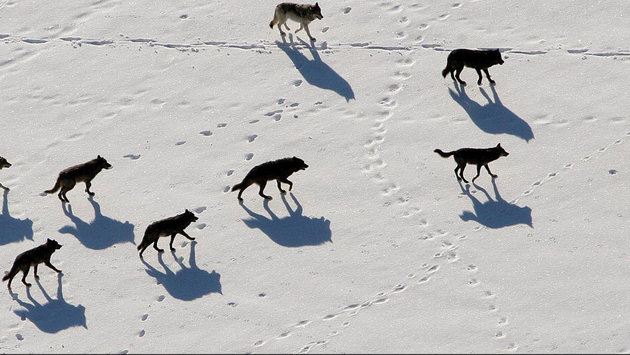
81	172
478	156
278	170
33	257
301	13
4	164
166	227
472	58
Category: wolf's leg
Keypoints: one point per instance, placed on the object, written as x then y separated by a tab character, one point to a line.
457	72
186	235
301	28
280	23
261	193
171	243
286	181
452	73
461	172
485	70
480	77
47	263
88	184
308	32
156	247
491	174
478	172
35	271
24	273
4	187
280	187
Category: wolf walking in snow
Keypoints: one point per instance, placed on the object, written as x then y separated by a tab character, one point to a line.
472	58
478	156
81	172
301	13
33	257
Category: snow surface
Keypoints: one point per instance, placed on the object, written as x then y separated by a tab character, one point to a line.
378	248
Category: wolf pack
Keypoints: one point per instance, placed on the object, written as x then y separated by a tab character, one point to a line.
278	170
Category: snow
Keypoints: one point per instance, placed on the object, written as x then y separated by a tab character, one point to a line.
378	248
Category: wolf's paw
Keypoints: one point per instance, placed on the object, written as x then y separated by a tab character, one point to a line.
91	193
313	39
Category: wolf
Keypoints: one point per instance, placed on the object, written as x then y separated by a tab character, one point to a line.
302	13
478	156
472	58
81	172
4	164
165	227
278	170
33	257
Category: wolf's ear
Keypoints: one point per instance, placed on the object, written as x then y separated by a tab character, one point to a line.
49	240
187	211
98	157
498	145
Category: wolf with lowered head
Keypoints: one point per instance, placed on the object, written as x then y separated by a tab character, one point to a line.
170	226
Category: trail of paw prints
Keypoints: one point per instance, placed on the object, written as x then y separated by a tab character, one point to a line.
569	166
144	317
374	167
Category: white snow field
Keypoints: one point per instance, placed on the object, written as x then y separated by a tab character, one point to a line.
378	248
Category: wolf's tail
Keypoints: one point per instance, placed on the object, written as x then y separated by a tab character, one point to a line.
442	154
238	186
11	273
275	18
55	188
445	71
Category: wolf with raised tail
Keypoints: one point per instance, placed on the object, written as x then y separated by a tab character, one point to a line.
478	156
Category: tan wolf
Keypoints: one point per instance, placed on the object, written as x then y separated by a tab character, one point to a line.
478	156
472	58
4	164
33	257
166	227
301	13
278	170
81	172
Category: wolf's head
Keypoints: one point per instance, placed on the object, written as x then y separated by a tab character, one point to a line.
103	163
316	11
4	163
298	164
496	56
51	243
501	150
189	216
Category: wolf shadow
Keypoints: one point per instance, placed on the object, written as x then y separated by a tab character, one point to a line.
13	229
189	283
493	117
315	71
496	213
53	316
101	233
292	231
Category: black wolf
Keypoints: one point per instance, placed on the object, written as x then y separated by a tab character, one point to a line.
302	13
82	172
472	58
278	170
4	164
33	257
166	227
478	156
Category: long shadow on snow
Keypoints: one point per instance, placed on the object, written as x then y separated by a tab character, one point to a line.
13	229
189	283
54	315
101	233
495	213
492	117
294	230
315	71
